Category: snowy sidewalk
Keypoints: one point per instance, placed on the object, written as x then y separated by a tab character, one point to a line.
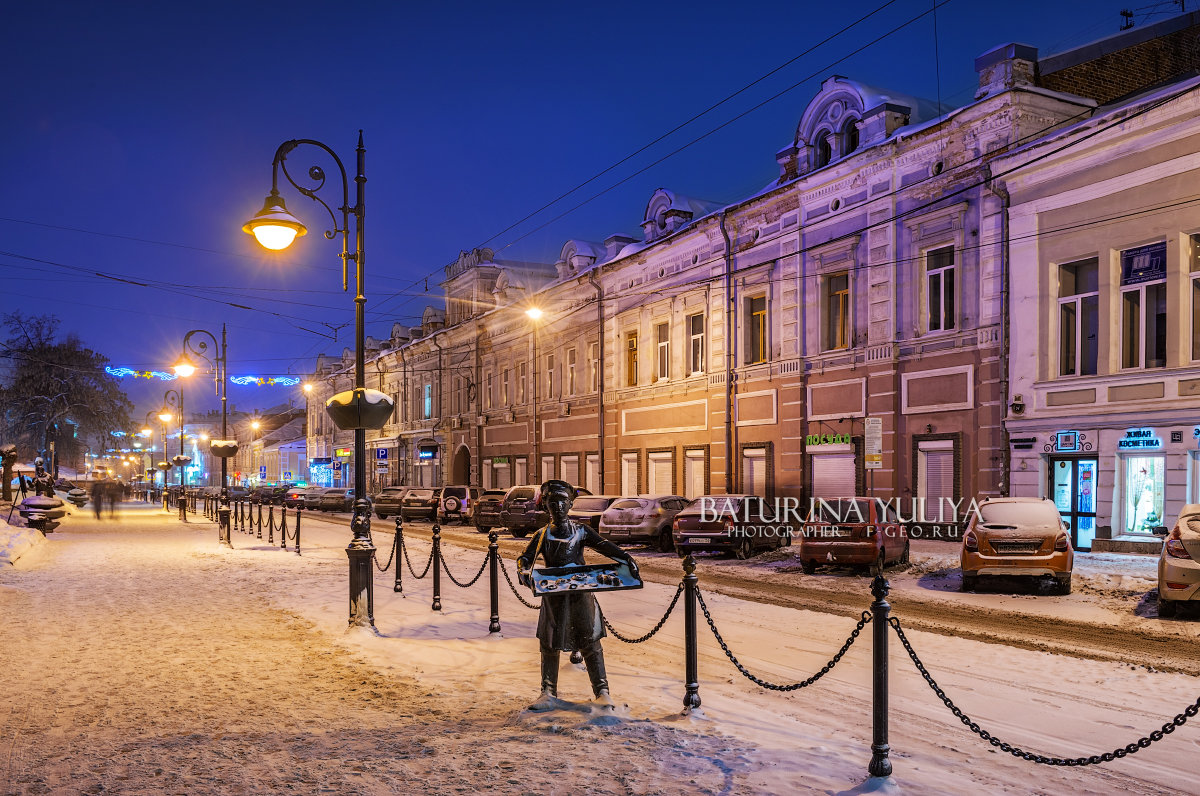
142	646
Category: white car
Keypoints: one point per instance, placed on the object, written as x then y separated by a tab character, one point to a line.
646	518
1179	563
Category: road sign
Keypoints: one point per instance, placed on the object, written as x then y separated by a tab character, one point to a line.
287	476
873	443
337	466
381	467
262	471
381	454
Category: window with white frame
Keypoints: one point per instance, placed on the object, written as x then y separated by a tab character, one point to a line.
505	394
594	366
837	311
1194	269
572	356
662	343
631	359
756	330
695	343
427	400
940	290
1078	317
489	390
550	375
1144	307
521	372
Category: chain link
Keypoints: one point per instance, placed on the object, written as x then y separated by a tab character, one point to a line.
474	580
526	603
657	627
391	555
866	617
428	562
1107	757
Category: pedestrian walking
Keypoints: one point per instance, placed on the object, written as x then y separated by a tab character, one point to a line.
98	494
114	488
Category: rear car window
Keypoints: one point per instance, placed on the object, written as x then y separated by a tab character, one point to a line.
591	504
454	491
421	493
628	503
1018	514
843	511
523	493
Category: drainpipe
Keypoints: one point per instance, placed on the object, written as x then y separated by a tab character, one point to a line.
595	283
480	329
1006	449
437	404
402	449
729	360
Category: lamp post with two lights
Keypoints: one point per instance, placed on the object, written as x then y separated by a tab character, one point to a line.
224	447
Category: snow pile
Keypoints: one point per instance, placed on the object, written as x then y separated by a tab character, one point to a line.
16	541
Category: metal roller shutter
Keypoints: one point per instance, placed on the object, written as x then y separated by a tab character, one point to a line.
833	475
660	474
754	471
568	467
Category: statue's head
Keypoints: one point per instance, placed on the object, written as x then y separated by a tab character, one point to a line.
556	493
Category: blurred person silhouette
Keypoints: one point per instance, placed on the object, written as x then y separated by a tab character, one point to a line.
99	492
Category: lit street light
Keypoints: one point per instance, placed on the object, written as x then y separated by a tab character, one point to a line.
223	448
359	409
173	399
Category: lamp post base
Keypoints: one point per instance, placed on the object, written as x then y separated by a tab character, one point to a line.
223	526
362	584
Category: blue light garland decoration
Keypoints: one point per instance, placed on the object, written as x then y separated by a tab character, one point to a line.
139	374
266	381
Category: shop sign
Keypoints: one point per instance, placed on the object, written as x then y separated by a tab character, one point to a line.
427	452
1066	441
1144	264
346	452
1139	439
504	459
319	460
827	439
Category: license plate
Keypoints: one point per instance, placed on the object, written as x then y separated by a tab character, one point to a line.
701	540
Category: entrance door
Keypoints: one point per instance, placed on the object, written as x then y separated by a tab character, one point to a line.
1073	485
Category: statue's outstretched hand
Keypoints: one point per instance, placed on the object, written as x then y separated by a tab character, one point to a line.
633	567
524	576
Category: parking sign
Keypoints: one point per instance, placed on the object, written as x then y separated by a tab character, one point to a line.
337	467
381	454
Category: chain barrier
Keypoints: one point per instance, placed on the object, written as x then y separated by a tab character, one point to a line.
526	603
473	580
866	617
1107	757
408	561
391	556
658	627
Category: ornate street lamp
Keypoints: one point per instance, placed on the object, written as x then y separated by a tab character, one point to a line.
358	409
173	399
224	447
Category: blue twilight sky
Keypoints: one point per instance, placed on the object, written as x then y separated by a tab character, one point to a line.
137	137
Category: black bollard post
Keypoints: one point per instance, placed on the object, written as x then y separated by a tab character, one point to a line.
398	586
260	520
494	578
283	528
880	765
271	524
299	509
691	698
437	567
223	517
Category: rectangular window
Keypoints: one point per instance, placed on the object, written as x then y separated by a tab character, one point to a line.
550	375
1144	306
1194	260
1078	317
662	341
490	396
427	400
594	359
571	357
505	395
939	288
837	311
756	330
455	401
631	359
520	382
696	344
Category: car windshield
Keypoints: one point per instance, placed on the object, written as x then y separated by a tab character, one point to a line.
336	492
392	492
1018	514
523	493
421	493
591	504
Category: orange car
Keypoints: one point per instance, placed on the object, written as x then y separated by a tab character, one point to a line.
858	532
1017	536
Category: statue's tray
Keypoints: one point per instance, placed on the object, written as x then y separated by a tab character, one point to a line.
613	576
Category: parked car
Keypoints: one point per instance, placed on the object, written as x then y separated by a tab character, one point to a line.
1179	564
486	514
237	492
388	501
642	519
337	500
312	497
294	497
588	508
1017	536
857	532
261	494
419	503
456	502
520	513
739	524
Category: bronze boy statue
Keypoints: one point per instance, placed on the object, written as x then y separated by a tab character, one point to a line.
569	621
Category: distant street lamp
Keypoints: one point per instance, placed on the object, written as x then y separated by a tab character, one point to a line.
226	448
173	399
359	409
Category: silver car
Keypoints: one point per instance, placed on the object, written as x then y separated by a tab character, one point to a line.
1179	564
646	518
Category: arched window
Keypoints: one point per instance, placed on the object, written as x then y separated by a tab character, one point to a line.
824	152
849	136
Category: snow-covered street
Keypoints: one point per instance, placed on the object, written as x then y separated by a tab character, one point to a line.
140	657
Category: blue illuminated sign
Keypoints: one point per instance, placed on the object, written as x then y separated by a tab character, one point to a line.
1139	439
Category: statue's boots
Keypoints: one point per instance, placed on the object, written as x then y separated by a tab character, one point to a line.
548	699
593	658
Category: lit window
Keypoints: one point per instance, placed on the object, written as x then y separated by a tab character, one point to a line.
837	311
594	358
662	340
939	289
488	391
505	395
1194	260
550	375
521	371
696	344
571	357
631	359
1144	307
756	330
1078	317
427	401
